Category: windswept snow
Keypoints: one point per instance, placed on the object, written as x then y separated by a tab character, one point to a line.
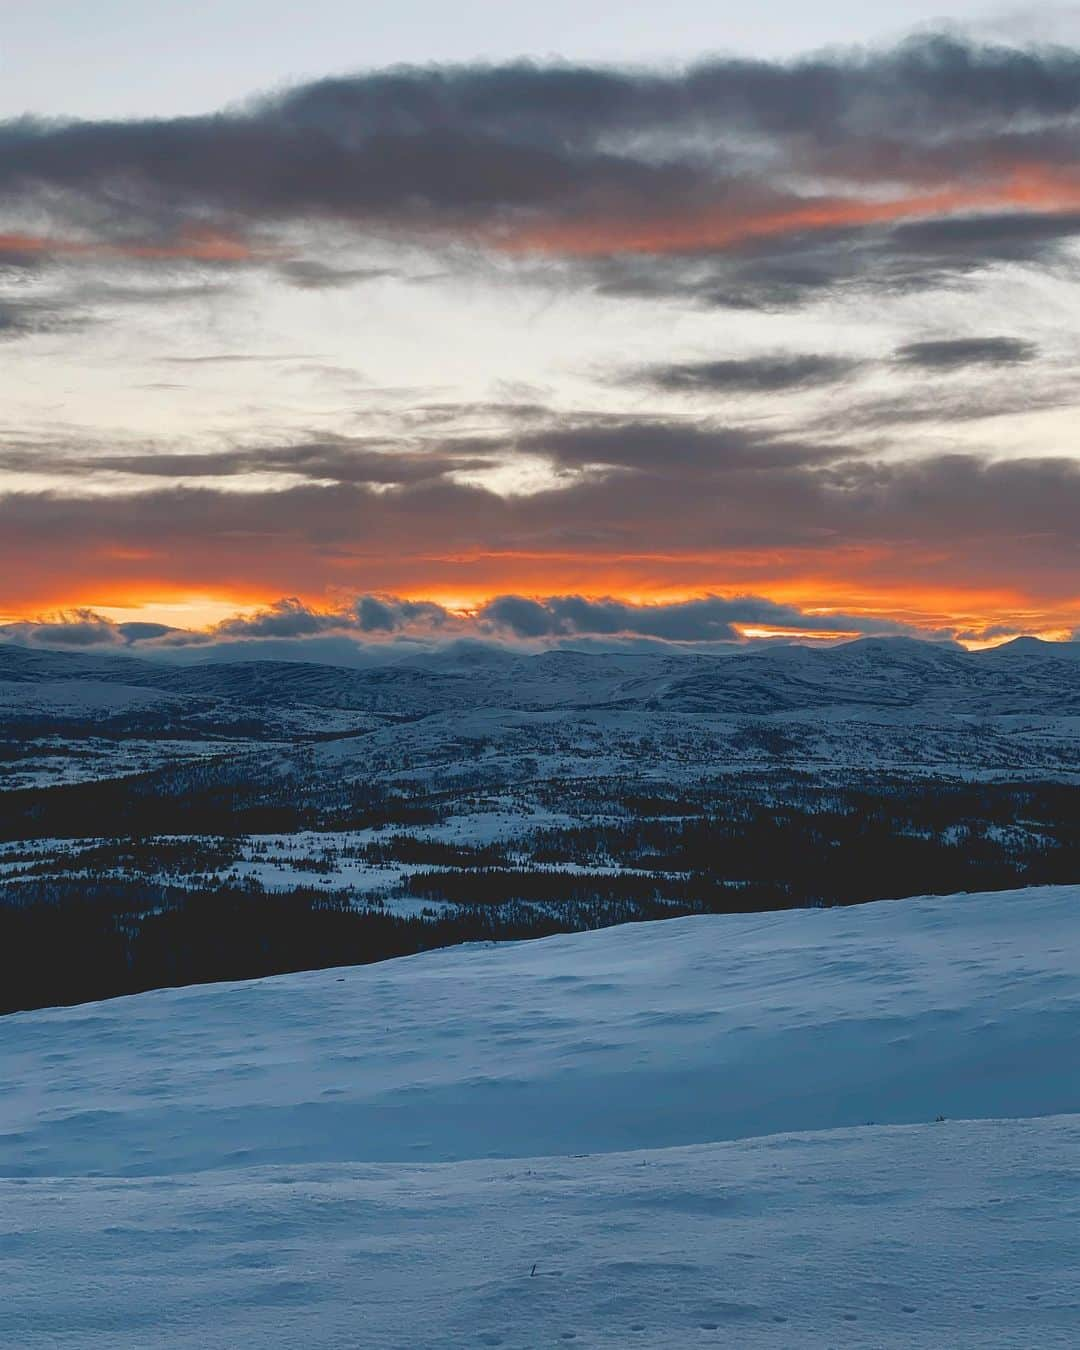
381	1156
641	1036
955	1235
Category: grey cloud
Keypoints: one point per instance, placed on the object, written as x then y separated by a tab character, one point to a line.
236	358
958	353
359	461
286	618
368	614
573	614
712	618
381	614
970	240
708	620
691	446
72	628
655	444
474	145
84	302
139	631
308	274
755	375
28	318
785	272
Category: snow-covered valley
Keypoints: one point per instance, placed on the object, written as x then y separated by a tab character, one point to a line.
562	1140
166	822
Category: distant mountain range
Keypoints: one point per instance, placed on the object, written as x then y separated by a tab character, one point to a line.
1023	677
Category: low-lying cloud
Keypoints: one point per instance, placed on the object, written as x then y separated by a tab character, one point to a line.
516	619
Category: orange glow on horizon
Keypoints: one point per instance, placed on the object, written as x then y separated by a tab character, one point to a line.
930	609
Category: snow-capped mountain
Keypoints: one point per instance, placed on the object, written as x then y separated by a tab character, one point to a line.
889	702
1022	676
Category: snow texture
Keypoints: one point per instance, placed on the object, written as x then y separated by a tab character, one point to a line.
517	1145
956	1234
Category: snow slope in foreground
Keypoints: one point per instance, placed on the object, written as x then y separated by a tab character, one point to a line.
936	1237
263	1152
643	1036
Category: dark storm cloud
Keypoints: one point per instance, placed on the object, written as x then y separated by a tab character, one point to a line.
958	353
751	375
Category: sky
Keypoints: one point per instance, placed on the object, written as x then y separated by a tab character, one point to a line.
594	323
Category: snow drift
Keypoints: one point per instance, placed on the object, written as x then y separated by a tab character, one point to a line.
643	1036
267	1163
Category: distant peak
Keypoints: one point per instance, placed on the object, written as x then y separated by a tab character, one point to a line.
1034	646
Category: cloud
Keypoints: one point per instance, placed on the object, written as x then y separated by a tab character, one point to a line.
571	161
309	274
749	375
82	627
513	619
28	318
967	241
670	445
990	632
68	628
959	353
712	618
142	631
375	614
366	615
837	527
287	618
372	461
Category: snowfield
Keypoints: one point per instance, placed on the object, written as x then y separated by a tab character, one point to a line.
380	1156
953	1235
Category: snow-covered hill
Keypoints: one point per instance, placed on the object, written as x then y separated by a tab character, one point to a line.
642	1036
1023	676
269	1163
961	1235
887	703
